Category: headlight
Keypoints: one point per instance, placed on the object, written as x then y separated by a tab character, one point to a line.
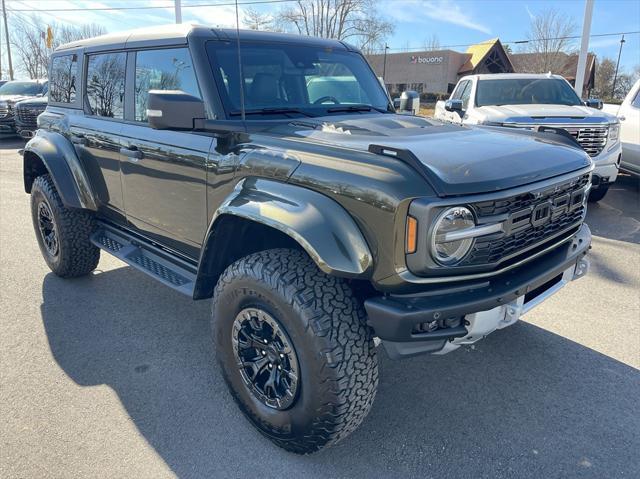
445	249
614	132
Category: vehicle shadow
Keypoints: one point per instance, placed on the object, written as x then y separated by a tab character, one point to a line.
617	216
523	403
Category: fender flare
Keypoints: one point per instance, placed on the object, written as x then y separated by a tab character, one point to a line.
320	225
61	161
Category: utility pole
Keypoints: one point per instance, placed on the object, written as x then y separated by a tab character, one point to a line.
615	76
178	6
6	36
584	47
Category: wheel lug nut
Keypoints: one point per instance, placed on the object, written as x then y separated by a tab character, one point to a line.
270	365
265	341
264	353
281	356
280	367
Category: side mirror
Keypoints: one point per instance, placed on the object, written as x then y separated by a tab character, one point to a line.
173	110
594	103
453	105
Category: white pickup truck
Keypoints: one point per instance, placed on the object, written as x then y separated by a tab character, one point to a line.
530	101
629	115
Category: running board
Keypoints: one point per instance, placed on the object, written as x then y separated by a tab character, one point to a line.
147	258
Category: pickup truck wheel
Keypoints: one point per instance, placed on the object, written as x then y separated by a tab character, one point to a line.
294	349
62	233
597	194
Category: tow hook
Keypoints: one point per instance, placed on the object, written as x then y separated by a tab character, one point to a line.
582	268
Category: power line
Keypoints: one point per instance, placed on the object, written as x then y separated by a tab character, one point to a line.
150	7
442	47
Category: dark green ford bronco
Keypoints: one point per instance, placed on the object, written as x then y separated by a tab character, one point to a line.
270	173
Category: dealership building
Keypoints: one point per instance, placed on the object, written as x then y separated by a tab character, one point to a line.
438	71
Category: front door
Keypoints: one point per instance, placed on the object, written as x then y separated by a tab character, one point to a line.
164	172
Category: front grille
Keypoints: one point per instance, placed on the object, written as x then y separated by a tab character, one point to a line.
4	111
592	139
566	211
28	116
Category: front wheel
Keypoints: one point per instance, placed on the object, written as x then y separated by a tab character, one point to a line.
294	349
597	194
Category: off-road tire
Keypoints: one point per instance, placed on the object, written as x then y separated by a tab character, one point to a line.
334	347
597	194
76	256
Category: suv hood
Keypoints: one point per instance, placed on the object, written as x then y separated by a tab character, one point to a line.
11	99
543	114
456	160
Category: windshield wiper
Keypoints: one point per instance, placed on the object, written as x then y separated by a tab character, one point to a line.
271	111
356	108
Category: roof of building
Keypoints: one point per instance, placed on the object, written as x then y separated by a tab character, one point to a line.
178	33
568	64
478	52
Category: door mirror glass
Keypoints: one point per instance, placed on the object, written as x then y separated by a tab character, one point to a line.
173	110
453	105
594	103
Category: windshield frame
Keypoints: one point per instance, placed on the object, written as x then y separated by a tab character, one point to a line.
531	79
41	85
231	111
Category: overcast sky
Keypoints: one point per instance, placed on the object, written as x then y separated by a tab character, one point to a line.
454	22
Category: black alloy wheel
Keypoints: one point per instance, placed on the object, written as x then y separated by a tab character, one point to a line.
48	230
265	357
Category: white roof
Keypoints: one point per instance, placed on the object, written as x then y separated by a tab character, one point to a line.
506	76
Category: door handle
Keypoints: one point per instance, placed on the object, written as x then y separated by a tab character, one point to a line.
132	153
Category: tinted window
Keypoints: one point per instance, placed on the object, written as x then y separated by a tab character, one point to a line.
310	79
27	88
105	84
162	70
63	79
526	91
462	86
636	100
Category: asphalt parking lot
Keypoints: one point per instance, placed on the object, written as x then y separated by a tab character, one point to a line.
113	375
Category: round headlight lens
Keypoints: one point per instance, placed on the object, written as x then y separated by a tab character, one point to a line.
454	219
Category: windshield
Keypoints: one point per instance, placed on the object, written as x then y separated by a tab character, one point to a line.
526	91
22	88
295	80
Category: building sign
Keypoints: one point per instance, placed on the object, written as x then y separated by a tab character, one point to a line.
428	60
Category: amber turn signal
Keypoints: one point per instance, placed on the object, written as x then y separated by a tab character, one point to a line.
412	235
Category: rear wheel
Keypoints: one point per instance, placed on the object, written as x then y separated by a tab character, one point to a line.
62	233
294	349
597	194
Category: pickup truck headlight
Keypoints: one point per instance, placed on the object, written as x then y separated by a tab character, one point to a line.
614	132
446	249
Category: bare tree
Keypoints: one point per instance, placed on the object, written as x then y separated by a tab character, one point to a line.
432	43
548	37
356	21
28	40
255	20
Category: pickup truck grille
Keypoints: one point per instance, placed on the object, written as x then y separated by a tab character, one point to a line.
28	116
592	139
566	213
4	111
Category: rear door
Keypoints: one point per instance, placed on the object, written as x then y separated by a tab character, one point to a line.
164	172
95	130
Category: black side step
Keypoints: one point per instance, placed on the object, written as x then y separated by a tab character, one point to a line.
147	258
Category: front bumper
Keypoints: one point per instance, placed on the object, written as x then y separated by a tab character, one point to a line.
606	166
472	310
7	126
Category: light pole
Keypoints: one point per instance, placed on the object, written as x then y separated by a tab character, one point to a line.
384	64
615	76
